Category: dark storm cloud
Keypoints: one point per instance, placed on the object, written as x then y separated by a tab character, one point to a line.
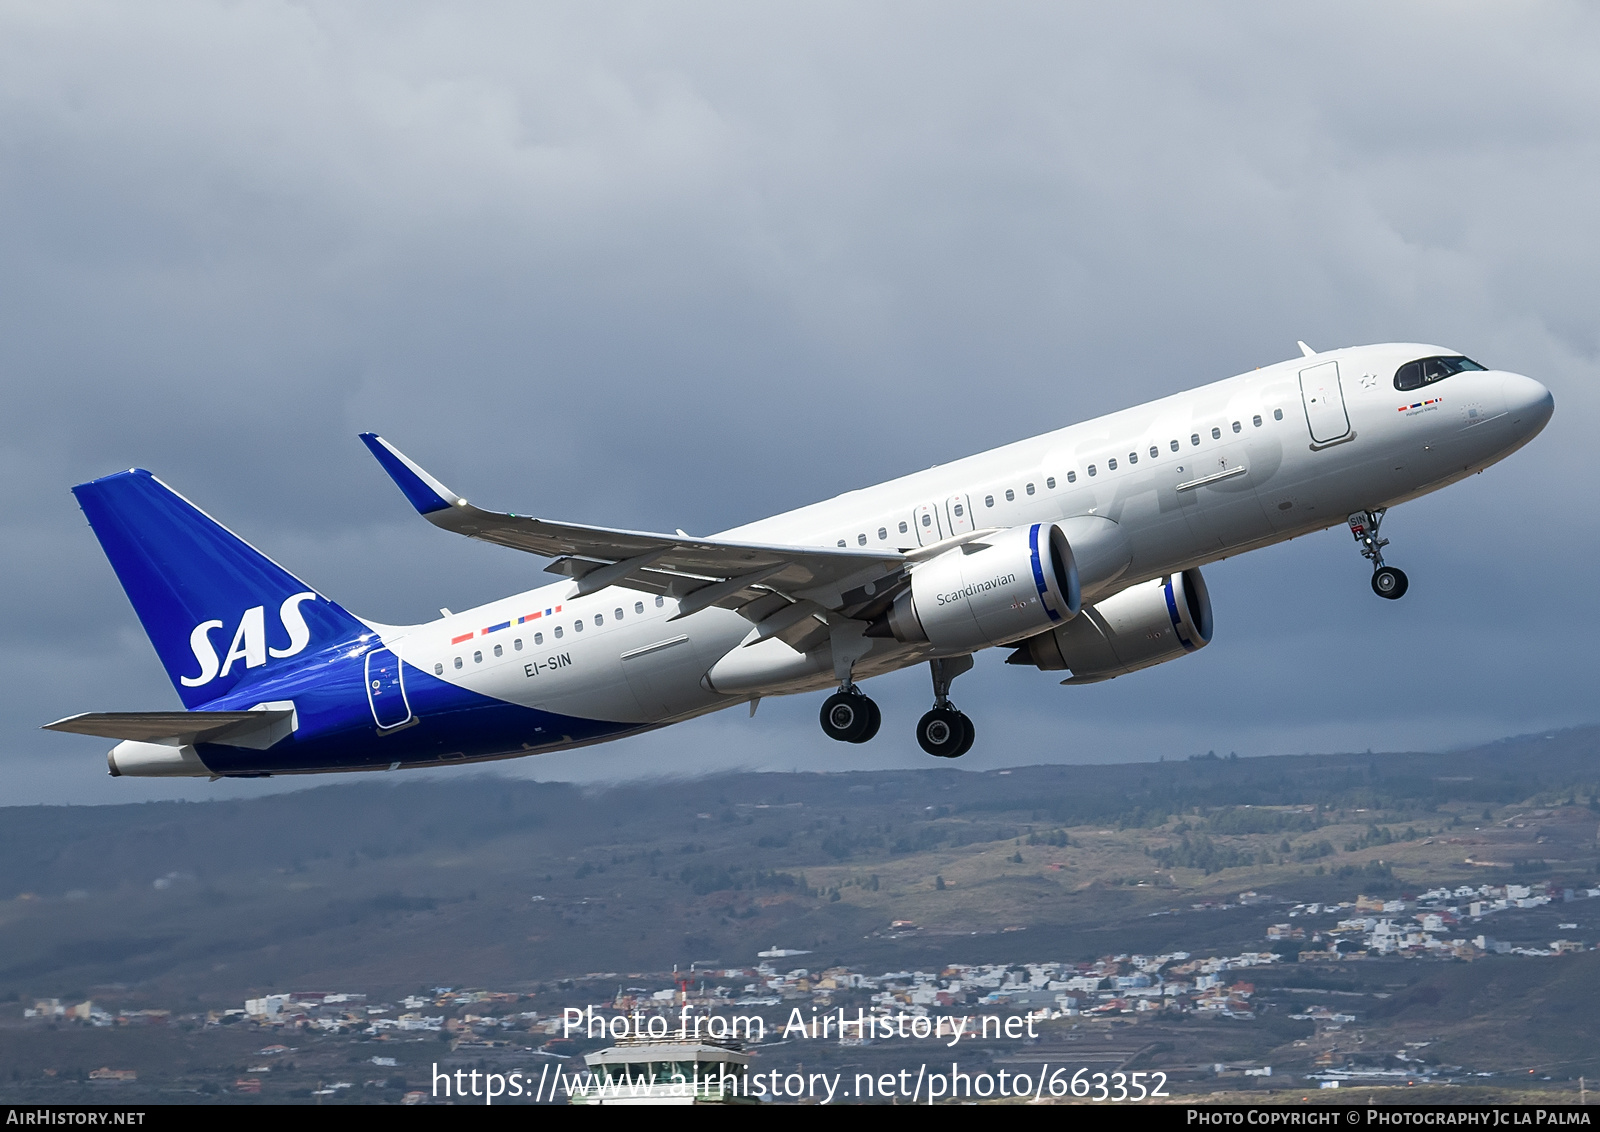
686	266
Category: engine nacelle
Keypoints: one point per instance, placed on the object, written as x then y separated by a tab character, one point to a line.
1001	589
1101	550
1147	624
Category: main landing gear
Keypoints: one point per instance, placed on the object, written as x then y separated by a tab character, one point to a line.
1387	581
946	732
850	716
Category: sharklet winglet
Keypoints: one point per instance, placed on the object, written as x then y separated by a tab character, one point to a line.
421	490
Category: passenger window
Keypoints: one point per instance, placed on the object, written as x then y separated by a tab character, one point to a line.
599	620
477	658
1194	438
1030	489
458	662
1216	434
960	510
1154	452
1072	477
638	607
499	651
538	638
1174	445
1050	483
617	613
841	542
1256	420
438	669
1133	457
902	526
861	540
1277	414
517	644
883	533
988	501
1111	464
558	632
927	520
1010	495
1235	426
660	601
1091	470
577	626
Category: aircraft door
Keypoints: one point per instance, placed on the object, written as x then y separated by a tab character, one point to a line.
1324	401
958	515
386	692
926	520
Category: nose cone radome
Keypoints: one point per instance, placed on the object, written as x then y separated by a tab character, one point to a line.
1528	402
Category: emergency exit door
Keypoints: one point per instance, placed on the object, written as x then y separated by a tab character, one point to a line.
926	520
958	514
386	691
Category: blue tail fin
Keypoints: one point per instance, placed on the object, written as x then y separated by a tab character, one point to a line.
219	612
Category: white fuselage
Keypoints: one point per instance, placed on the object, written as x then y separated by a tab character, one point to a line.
1238	464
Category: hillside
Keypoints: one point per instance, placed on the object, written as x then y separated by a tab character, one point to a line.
391	884
551	895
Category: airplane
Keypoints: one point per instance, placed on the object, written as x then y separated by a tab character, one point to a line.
1079	550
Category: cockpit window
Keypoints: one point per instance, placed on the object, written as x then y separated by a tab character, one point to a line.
1426	371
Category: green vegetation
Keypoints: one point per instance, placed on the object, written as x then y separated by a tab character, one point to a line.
704	879
1246	819
1201	852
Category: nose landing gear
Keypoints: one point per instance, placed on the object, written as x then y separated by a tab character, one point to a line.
946	732
1387	581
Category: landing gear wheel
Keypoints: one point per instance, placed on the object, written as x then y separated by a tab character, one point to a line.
971	735
945	733
1389	582
874	721
850	717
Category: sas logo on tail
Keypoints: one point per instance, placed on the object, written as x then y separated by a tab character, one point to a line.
249	640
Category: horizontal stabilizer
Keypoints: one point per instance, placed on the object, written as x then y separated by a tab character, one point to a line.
243	728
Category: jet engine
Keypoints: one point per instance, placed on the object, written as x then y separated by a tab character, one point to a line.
1147	624
994	591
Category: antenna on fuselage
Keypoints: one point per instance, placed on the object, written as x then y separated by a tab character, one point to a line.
1306	350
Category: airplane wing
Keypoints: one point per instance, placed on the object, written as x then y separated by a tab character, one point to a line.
698	572
179	726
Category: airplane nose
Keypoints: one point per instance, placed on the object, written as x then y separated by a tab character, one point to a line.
1528	402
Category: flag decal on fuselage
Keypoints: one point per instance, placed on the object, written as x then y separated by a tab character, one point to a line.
523	620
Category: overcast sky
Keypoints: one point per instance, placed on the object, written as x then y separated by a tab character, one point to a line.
687	265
